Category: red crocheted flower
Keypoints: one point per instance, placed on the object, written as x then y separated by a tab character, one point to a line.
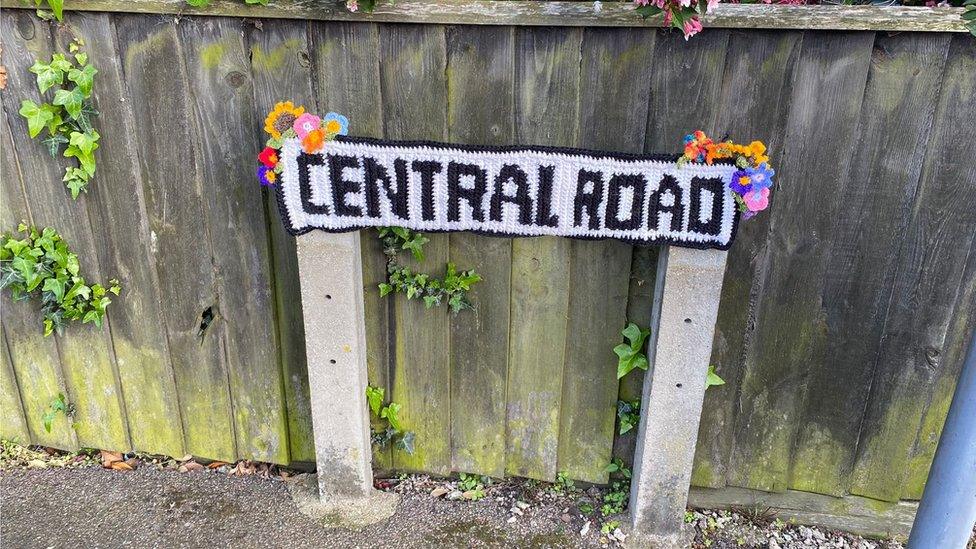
268	157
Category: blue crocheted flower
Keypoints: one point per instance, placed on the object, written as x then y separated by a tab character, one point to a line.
761	176
342	122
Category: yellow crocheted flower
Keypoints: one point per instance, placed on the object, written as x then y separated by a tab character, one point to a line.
282	118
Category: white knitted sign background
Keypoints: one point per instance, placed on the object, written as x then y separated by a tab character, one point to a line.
506	191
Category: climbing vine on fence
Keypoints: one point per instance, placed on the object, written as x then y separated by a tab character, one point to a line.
41	266
453	288
67	118
390	413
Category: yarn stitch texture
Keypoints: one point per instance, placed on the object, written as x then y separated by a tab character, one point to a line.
355	183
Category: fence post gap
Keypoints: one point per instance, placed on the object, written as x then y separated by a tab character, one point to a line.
330	270
686	299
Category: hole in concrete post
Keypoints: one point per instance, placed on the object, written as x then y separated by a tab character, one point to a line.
678	385
327	296
331	361
687	321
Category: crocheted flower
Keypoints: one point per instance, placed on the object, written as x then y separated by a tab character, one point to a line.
336	124
282	118
761	176
266	176
352	5
313	142
740	183
268	157
757	200
305	123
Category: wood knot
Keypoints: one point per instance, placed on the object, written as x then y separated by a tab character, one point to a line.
235	79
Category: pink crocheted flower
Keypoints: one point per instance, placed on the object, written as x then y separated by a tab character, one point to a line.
305	124
757	200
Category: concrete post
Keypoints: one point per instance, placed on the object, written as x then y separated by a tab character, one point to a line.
682	326
330	269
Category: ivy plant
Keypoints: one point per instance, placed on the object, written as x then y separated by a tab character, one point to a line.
393	432
41	266
59	405
452	289
56	7
67	118
628	414
631	354
712	379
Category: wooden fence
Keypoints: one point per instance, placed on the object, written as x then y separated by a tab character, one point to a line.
843	313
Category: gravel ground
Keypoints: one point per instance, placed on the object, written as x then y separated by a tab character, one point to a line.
70	501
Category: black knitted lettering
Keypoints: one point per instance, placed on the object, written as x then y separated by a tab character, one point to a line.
514	174
474	195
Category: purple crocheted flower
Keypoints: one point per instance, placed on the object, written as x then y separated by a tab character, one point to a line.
266	176
740	183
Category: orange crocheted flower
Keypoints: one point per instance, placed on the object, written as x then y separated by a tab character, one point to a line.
314	141
282	118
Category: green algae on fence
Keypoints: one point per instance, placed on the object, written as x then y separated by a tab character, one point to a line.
87	360
546	106
614	88
281	71
223	117
124	245
172	180
933	265
412	75
755	108
480	72
902	91
348	86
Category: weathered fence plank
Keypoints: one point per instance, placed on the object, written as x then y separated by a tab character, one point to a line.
86	354
346	56
753	102
480	110
281	71
911	363
223	117
613	115
172	183
826	99
14	424
547	103
35	360
902	91
125	250
414	87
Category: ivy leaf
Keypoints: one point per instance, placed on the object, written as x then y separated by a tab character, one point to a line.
198	3
385	289
37	116
391	413
56	286
81	57
406	442
70	100
48	75
54	143
57	6
712	378
86	142
374	395
83	78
